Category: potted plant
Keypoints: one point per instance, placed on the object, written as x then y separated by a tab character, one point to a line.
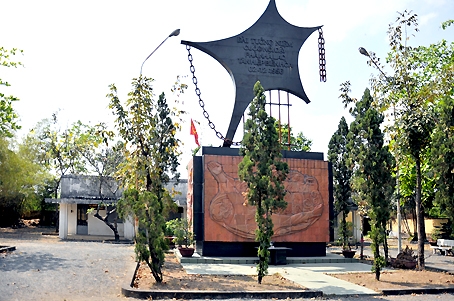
184	238
434	236
169	232
346	231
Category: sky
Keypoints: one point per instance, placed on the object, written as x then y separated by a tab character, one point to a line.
73	51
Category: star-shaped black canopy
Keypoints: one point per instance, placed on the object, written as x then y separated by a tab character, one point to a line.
266	52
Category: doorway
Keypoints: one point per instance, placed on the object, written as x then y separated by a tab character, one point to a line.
82	219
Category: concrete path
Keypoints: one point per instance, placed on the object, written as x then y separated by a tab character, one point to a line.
312	276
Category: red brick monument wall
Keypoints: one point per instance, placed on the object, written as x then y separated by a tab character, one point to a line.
228	219
222	219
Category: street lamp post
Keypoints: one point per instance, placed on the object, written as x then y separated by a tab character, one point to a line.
172	34
364	52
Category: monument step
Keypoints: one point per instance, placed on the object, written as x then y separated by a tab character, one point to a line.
198	259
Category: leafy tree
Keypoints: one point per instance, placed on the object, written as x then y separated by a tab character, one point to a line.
298	143
263	172
106	162
8	117
418	81
60	149
10	196
407	185
342	173
38	175
416	127
443	155
439	67
372	172
151	153
21	178
103	161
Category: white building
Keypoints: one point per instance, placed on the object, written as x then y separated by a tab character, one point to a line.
80	193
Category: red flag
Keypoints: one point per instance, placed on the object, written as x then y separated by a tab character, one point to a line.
194	132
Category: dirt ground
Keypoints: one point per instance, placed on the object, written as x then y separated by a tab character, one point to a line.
175	278
400	279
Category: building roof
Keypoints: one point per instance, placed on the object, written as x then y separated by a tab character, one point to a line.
82	189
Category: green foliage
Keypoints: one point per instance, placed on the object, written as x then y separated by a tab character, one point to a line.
372	178
298	143
407	183
22	179
151	154
150	245
8	117
446	24
195	150
378	264
342	173
443	155
444	231
171	226
62	150
421	77
263	172
183	234
104	161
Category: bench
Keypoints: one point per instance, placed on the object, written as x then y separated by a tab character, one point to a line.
445	246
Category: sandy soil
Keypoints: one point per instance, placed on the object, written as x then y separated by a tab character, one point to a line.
400	279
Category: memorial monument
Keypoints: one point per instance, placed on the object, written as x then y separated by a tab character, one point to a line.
266	52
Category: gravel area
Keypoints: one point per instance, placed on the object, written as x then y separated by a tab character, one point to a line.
46	268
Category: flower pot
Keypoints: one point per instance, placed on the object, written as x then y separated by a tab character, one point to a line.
348	253
186	252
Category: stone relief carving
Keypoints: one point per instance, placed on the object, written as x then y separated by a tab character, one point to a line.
228	208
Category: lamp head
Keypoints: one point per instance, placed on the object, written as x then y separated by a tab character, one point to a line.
363	51
174	33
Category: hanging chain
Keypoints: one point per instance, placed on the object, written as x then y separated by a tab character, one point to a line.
202	104
321	55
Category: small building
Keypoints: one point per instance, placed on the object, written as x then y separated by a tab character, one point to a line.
80	193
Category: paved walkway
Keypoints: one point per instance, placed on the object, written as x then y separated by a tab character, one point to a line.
314	273
310	275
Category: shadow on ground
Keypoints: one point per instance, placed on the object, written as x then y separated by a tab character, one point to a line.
24	262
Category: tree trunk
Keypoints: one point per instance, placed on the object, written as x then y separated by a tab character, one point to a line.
385	248
105	220
57	214
376	255
415	221
419	216
407	227
362	238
